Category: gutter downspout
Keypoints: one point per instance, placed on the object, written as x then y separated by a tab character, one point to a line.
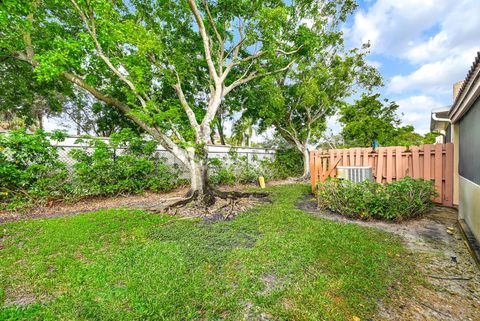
434	117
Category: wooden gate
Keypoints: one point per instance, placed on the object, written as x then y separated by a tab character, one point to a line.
430	162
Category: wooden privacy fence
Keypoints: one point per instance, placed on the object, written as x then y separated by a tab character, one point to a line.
430	162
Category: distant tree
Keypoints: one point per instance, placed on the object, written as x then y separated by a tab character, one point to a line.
370	119
406	136
298	102
242	131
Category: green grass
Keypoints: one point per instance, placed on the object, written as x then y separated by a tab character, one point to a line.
272	261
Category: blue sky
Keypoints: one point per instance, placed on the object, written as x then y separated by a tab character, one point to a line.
421	47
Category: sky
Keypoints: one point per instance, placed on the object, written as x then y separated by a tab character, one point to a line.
421	48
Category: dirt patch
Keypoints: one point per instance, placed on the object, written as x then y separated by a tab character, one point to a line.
271	283
222	210
139	201
452	287
90	205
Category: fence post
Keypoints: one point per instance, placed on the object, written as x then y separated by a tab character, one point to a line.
313	172
439	172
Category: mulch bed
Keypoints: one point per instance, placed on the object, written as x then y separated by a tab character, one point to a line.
145	201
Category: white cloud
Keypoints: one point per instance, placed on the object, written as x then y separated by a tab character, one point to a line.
392	26
458	34
416	111
374	63
436	77
435	41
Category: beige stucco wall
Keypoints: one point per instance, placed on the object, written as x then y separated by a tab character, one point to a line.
469	208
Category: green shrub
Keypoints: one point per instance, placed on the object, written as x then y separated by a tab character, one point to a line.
126	164
220	174
244	170
400	200
288	163
30	171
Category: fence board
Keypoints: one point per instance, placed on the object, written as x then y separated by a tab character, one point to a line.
427	155
430	162
365	157
415	162
358	156
351	157
332	159
390	165
380	165
438	171
313	157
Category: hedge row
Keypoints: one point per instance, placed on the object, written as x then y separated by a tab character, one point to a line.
399	200
31	172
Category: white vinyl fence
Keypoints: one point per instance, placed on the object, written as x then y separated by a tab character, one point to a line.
252	154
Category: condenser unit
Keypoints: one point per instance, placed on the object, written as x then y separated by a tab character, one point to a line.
355	174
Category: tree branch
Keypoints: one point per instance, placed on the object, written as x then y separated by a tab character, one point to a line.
206	40
27	39
163	139
91	29
239	62
289	136
236	48
183	101
254	75
212	22
176	132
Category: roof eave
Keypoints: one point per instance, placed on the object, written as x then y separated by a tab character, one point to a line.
469	92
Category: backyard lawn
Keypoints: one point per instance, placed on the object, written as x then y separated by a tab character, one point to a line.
272	262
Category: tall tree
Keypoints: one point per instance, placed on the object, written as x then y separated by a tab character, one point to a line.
370	119
298	102
167	65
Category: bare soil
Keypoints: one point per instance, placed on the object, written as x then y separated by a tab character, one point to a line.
145	201
451	290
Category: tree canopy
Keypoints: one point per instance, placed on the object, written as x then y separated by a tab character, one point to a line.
298	102
167	65
370	119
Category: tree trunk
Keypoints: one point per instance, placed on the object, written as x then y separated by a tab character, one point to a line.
306	163
221	133
200	189
220	125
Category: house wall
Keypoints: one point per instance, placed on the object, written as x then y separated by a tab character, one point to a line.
469	162
448	134
469	168
456	156
469	208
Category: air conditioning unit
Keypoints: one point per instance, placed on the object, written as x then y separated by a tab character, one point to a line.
355	174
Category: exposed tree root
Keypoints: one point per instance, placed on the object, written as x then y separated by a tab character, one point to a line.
237	195
213	206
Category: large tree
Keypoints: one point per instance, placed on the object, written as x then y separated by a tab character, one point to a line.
165	64
298	102
369	120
